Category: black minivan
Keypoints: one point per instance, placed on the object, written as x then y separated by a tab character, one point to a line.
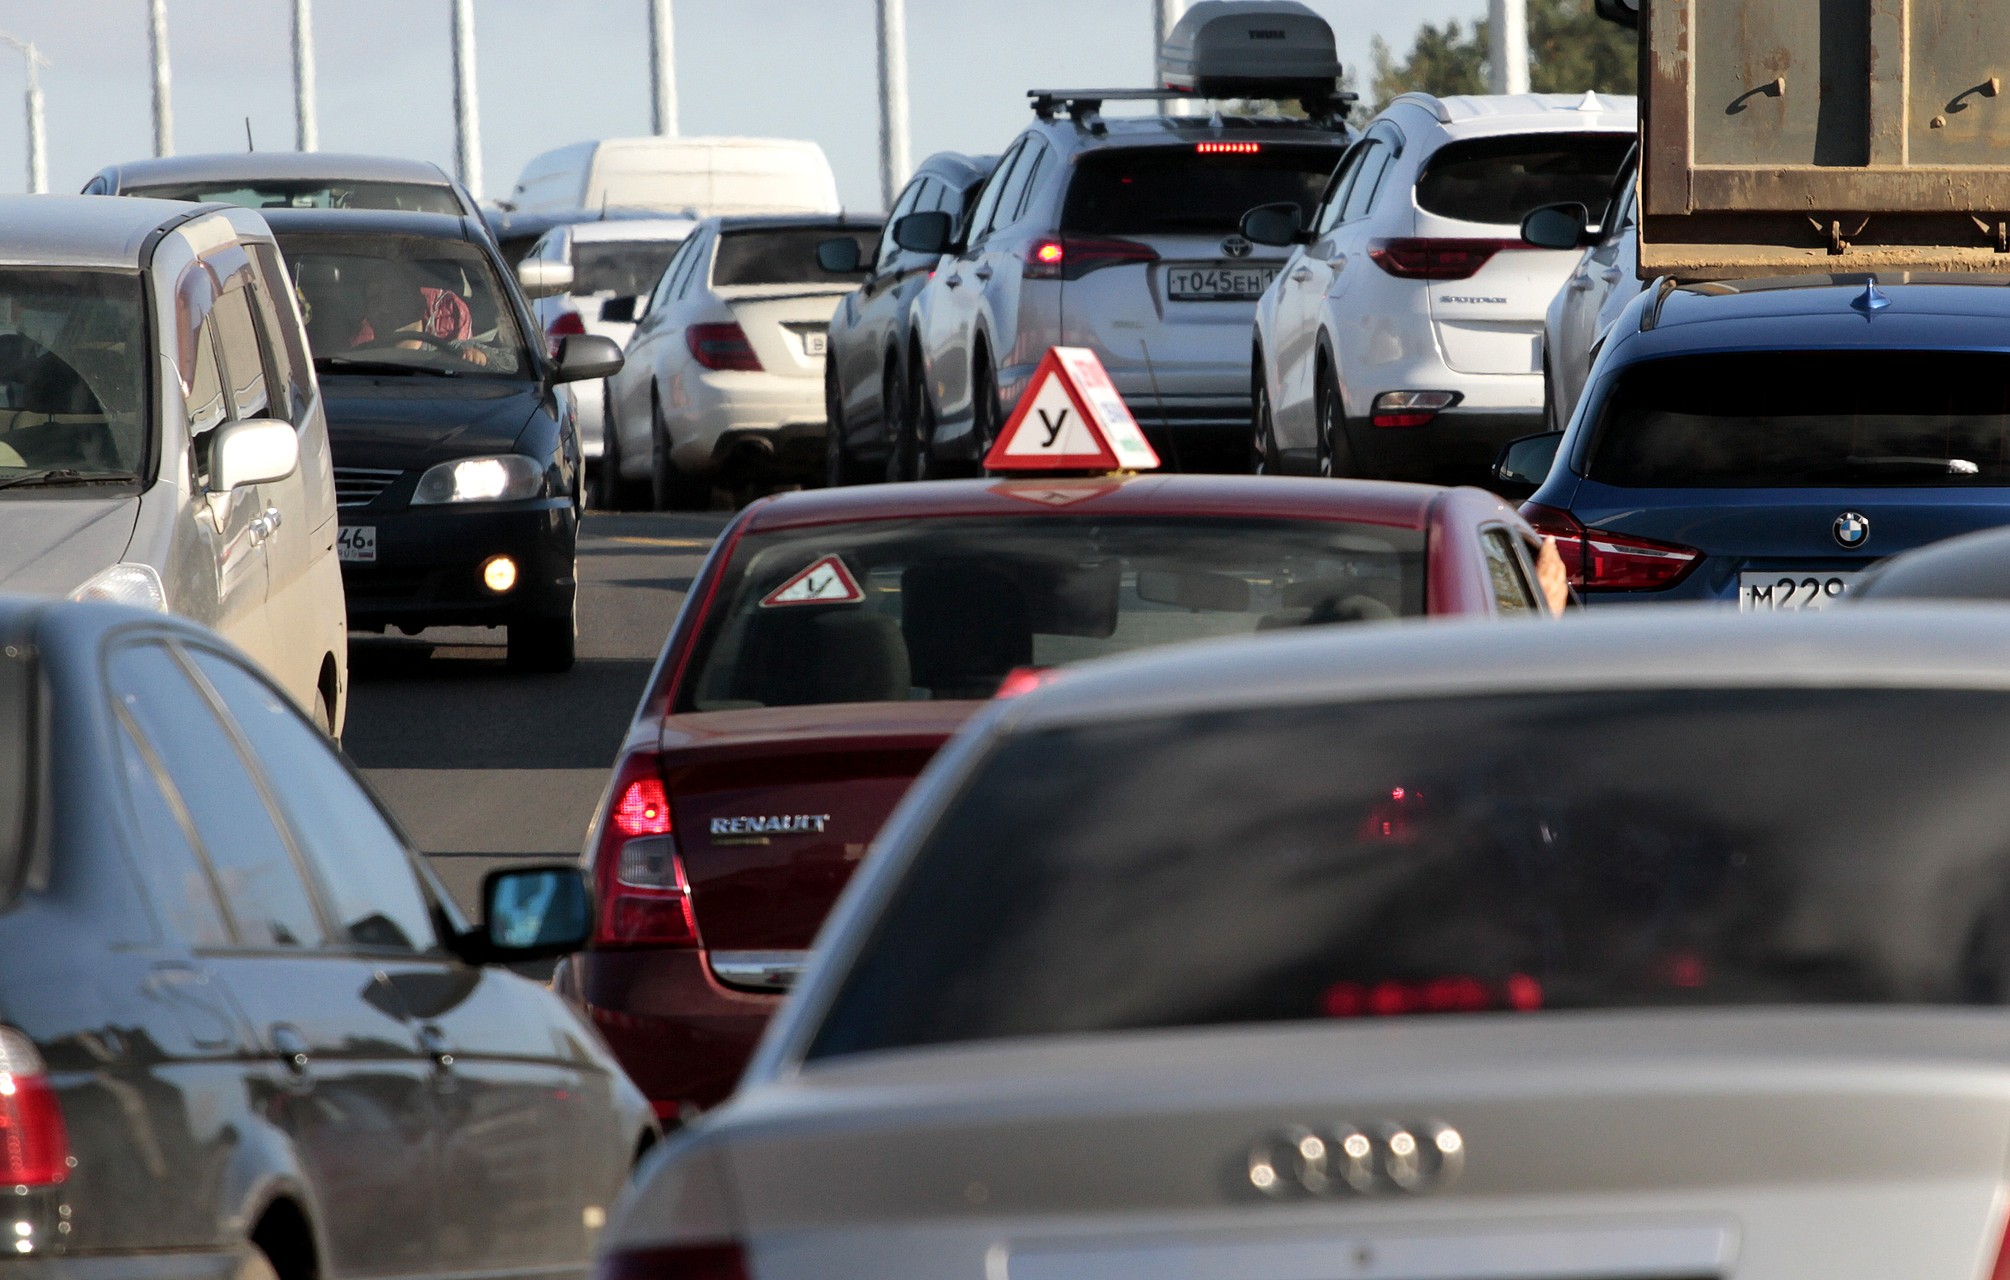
243	1032
457	466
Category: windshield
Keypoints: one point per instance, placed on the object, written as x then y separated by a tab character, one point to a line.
1144	191
622	268
1437	856
403	305
1799	419
786	255
412	197
1503	180
73	377
900	610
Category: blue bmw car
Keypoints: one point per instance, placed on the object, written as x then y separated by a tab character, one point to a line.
1764	441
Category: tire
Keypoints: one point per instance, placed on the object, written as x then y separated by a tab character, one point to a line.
1549	415
900	460
256	1266
1336	458
921	410
323	715
607	485
670	487
985	419
840	470
1265	460
545	645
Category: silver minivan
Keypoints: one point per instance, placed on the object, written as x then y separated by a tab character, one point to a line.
161	434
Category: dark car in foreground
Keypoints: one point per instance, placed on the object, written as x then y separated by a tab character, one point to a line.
1451	951
243	1031
836	639
1763	442
457	464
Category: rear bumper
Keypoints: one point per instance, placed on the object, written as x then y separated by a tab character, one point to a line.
429	560
1456	446
707	413
681	1036
161	1265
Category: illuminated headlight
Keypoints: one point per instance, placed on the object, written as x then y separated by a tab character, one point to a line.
504	478
127	583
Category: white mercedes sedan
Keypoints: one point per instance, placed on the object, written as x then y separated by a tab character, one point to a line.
1670	947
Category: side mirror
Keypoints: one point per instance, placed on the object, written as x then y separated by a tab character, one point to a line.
1624	12
927	234
542	279
588	355
620	310
1558	226
252	451
530	913
840	257
1524	464
1278	225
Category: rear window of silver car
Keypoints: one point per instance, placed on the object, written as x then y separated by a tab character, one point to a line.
1488	856
785	255
916	610
1801	419
624	268
1503	180
411	197
73	378
1189	190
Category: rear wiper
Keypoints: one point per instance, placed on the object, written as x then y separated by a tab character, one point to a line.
56	477
1939	466
357	364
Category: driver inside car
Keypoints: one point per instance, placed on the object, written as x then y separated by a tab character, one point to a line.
435	317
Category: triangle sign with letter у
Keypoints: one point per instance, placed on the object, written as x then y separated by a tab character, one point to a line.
1070	418
825	582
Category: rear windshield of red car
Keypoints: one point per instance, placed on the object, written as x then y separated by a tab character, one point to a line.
1503	180
1178	190
1492	856
907	610
1802	419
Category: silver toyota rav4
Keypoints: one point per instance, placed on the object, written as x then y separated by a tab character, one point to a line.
1119	235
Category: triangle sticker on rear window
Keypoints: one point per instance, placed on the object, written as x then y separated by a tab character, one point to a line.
825	582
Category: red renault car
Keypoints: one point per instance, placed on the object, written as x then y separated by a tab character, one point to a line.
835	639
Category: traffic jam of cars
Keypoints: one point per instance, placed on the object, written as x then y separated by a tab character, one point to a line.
1151	774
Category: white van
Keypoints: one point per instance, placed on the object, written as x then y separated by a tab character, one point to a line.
701	176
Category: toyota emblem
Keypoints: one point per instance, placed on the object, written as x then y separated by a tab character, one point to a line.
1851	530
1236	247
1346	1160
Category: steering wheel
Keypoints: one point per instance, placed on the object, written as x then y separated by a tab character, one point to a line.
400	337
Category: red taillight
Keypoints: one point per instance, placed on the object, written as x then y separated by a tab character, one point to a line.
674	1262
34	1146
722	346
1598	560
2001	1271
1410	408
1436	259
1072	257
1228	148
1020	681
566	324
1457	993
645	900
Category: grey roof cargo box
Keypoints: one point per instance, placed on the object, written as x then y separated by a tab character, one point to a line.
1250	48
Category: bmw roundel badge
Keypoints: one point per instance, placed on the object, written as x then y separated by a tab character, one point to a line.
1851	530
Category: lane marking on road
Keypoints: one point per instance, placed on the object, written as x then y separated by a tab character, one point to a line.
658	542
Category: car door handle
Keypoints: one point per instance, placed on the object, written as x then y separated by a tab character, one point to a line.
265	524
983	275
290	1047
1302	274
953	282
1611	274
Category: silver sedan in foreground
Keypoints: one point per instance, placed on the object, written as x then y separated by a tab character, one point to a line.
1668	946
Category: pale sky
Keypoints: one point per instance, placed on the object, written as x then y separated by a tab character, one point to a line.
552	72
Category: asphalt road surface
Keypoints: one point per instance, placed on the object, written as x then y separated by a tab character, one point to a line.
483	766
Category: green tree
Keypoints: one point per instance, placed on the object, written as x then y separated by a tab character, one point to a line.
1571	49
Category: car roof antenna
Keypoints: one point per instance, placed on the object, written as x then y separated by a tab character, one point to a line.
1873	299
249	145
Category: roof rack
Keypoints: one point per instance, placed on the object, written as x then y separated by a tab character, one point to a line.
1084	106
1429	102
